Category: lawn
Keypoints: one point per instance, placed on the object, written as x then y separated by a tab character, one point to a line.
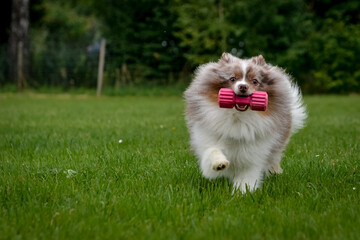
81	167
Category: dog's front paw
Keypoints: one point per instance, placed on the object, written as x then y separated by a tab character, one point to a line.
218	161
243	187
248	181
220	166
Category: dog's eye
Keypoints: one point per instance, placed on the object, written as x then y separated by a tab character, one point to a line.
255	81
232	79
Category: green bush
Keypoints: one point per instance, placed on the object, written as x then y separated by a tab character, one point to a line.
334	51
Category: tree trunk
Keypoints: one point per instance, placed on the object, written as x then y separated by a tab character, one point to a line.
19	35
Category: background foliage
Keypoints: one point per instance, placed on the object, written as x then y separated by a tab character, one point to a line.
161	42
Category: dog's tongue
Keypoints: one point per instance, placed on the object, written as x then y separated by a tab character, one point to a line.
241	107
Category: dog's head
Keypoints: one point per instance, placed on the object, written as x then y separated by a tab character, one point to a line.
243	76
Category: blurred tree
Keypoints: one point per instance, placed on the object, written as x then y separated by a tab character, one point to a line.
4	39
6	21
270	29
326	60
317	42
244	28
204	28
19	41
60	44
140	34
160	41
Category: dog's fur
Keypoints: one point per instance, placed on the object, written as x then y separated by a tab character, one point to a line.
242	146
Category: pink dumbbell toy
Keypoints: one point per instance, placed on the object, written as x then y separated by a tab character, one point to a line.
257	100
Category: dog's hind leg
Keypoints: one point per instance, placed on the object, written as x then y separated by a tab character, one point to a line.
276	152
274	162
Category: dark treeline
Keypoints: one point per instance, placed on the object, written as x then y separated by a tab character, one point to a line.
160	42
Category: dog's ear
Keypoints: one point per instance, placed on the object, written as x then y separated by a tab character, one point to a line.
259	60
226	57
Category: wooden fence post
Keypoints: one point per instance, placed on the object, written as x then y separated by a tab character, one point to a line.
101	67
20	74
117	78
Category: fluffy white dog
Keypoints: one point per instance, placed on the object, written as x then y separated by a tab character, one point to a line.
242	145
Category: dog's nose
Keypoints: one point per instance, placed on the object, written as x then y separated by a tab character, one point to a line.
243	88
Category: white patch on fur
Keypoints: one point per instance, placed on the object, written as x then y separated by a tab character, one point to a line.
244	67
243	80
244	138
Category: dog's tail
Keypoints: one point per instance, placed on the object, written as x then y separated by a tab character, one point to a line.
298	109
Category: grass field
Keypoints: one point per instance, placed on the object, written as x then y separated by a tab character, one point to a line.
78	167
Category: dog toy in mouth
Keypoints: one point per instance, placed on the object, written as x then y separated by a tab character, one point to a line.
257	101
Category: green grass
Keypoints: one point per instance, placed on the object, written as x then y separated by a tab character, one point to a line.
145	89
149	186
